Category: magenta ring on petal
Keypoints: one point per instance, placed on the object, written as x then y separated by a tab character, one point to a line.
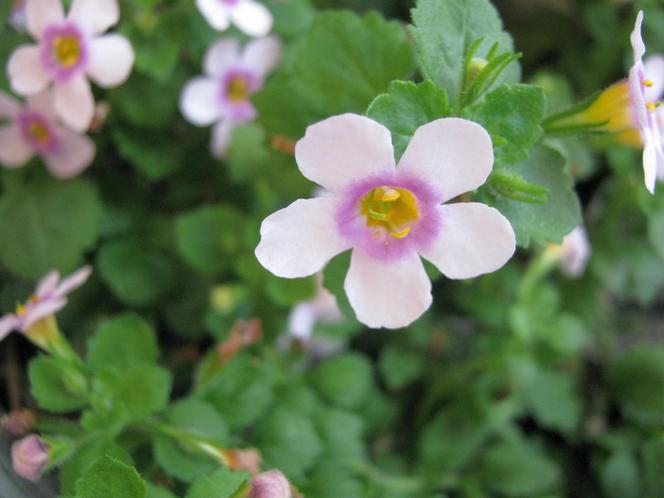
64	50
38	131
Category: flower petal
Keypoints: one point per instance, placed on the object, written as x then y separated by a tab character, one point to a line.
474	239
221	138
252	18
9	106
42	310
111	60
301	321
343	149
262	55
216	13
48	284
221	55
452	155
576	251
74	155
73	281
94	16
654	69
390	294
27	75
14	151
199	101
43	103
41	13
74	103
650	162
7	324
300	239
638	47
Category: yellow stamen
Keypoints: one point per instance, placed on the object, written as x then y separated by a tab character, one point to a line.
21	310
67	50
390	210
39	132
648	83
238	89
386	194
651	106
401	233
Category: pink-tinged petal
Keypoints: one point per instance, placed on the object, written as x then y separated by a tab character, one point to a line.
474	239
221	56
252	18
42	13
344	149
48	284
270	484
74	103
452	155
7	324
94	16
74	155
9	106
14	151
654	69
576	250
216	13
27	75
635	38
650	162
299	240
390	294
301	321
639	108
262	55
200	101
221	138
41	310
73	281
110	60
29	457
43	103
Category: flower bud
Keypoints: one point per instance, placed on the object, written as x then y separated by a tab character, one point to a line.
248	460
29	457
270	484
18	422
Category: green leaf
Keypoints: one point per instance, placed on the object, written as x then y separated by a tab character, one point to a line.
620	476
344	380
121	342
406	106
333	481
399	367
85	458
444	31
554	402
288	292
223	483
150	152
47	224
146	103
155	491
513	114
656	230
110	478
341	434
652	455
56	384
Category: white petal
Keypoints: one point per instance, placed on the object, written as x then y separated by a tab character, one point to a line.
43	103
41	13
9	106
221	55
7	324
111	60
14	151
390	294
216	13
199	101
638	46
27	75
301	321
650	163
300	239
95	16
252	17
42	310
452	155
74	103
343	149
48	284
73	281
654	69
576	250
75	154
474	239
262	55
221	138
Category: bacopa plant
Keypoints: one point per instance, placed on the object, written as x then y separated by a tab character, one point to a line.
332	249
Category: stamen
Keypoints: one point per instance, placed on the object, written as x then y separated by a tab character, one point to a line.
39	132
651	106
386	194
648	83
21	310
238	89
67	50
401	233
377	216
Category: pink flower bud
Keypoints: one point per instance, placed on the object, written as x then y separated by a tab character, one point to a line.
270	484
29	457
18	422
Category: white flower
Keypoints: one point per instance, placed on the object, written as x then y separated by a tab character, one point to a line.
222	95
33	129
70	50
322	308
389	216
250	16
575	252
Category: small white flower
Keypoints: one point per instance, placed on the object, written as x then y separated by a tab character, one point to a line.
70	50
250	16
222	95
575	252
389	216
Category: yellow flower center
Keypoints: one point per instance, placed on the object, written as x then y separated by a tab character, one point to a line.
66	50
238	89
22	309
39	132
391	210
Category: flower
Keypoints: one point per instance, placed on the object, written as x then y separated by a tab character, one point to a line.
34	129
17	17
322	307
270	484
252	17
222	95
248	459
29	457
389	216
70	50
575	252
49	298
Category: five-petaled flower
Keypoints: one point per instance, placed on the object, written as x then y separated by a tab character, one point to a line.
70	50
389	216
250	16
49	298
34	129
222	95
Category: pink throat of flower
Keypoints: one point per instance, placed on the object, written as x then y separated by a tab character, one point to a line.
237	85
38	131
64	50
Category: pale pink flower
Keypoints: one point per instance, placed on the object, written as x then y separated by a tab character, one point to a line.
222	95
17	18
49	298
70	50
34	129
575	252
389	216
29	457
250	16
270	484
